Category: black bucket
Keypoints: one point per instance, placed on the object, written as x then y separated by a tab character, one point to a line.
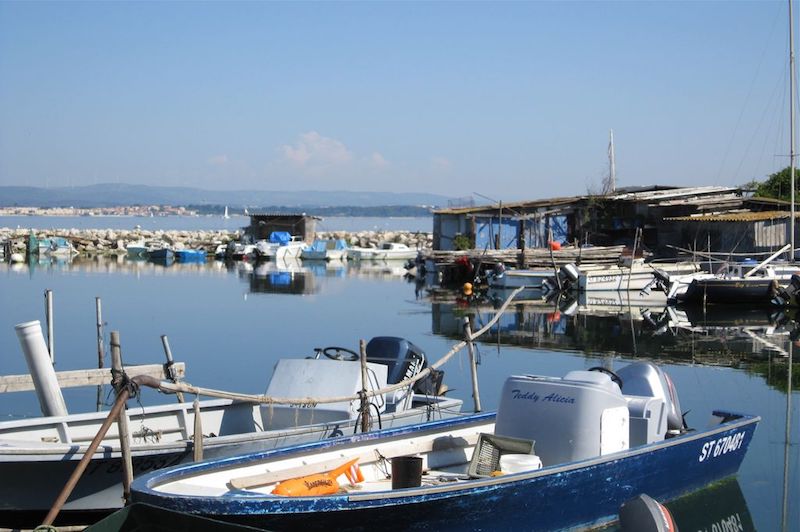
406	472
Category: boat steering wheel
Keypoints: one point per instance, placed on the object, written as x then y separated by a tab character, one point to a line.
614	376
340	353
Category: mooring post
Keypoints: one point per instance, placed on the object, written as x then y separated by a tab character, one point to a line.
48	310
169	367
364	403
100	348
98	306
122	421
197	445
473	363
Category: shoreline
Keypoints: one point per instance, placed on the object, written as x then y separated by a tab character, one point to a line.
91	242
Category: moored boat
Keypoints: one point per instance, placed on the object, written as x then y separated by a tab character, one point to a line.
280	246
330	249
384	251
190	255
594	446
42	452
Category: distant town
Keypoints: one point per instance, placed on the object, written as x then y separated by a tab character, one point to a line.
127	210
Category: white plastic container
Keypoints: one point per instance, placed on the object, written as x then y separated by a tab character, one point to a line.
517	463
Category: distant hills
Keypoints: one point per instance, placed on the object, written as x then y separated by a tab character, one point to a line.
113	195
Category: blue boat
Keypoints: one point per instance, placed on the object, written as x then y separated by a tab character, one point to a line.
190	255
161	254
560	453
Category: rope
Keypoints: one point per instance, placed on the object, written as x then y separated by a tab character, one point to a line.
169	387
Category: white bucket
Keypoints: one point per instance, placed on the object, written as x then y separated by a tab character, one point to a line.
517	463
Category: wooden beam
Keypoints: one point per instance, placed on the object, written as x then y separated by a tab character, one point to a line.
86	377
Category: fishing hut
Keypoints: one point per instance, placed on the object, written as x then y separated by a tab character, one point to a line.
300	225
659	220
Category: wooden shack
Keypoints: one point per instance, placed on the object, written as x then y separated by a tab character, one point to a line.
300	225
607	220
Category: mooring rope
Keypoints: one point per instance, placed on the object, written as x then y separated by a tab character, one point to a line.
169	387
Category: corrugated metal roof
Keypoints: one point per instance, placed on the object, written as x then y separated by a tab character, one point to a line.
743	216
673	194
654	194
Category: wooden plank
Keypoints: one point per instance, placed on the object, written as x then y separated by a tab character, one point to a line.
86	377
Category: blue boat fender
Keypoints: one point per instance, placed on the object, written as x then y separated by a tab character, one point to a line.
645	514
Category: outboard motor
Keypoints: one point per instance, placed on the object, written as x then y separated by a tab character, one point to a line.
643	383
570	272
403	360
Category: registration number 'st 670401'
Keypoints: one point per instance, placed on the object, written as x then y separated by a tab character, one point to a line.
724	445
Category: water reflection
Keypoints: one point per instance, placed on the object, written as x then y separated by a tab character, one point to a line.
720	507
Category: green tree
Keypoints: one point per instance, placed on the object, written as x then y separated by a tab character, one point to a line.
778	185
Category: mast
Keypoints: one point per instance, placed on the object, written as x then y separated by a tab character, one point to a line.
791	121
612	161
610	182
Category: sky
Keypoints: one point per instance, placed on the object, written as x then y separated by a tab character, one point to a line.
505	100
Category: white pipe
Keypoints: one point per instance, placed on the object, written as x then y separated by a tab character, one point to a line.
41	369
51	341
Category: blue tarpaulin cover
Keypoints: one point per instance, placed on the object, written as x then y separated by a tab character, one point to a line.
280	237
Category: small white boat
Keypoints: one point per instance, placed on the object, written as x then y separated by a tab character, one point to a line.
637	276
137	250
385	251
330	249
280	246
41	453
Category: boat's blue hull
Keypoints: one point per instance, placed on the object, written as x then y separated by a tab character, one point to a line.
162	254
190	255
561	497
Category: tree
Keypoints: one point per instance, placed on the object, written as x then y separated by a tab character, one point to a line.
778	185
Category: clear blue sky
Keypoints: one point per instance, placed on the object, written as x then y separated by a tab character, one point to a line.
511	100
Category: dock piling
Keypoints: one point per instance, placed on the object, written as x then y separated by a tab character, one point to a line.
124	429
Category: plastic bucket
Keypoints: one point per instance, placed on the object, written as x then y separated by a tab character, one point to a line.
517	463
406	472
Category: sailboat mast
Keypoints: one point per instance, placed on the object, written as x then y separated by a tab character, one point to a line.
791	121
612	161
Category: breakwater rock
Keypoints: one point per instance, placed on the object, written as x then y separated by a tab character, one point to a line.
111	241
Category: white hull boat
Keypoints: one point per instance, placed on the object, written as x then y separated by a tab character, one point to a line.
639	276
41	453
386	251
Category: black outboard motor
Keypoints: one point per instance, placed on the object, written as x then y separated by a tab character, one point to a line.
404	360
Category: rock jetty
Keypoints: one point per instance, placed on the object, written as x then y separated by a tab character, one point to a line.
91	242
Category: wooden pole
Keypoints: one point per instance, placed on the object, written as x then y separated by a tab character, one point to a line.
100	348
364	403
198	431
48	297
473	364
66	491
169	367
124	429
98	306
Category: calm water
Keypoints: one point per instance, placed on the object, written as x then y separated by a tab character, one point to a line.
196	223
230	324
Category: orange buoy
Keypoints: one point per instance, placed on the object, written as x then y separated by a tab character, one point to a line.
555	246
319	483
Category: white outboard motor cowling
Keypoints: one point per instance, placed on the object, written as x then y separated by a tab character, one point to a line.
581	416
648	380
